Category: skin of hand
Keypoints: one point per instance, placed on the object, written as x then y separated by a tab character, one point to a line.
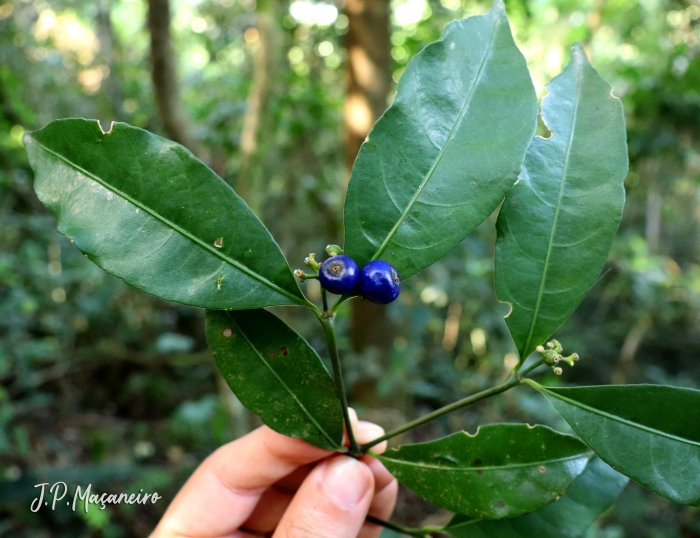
267	484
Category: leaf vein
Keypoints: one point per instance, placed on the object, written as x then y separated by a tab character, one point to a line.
457	123
174	226
303	408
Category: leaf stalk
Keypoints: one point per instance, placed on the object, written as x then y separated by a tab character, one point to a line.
422	532
513	380
332	343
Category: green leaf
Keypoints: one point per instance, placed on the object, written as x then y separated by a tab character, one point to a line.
146	210
557	223
505	470
592	493
276	374
446	151
651	433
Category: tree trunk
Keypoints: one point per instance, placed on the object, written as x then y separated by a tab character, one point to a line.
109	53
267	59
368	43
164	75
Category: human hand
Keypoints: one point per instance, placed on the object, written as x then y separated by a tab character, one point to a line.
267	484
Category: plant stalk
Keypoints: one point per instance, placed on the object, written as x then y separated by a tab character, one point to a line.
332	342
512	381
423	532
324	297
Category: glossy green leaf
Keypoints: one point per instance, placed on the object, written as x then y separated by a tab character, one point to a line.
557	223
505	470
651	433
592	493
146	210
276	374
446	151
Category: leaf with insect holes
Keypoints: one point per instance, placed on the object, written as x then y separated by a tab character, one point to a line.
505	470
148	211
592	493
276	374
445	153
650	433
556	225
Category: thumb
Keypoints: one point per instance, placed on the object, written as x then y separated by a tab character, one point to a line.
332	502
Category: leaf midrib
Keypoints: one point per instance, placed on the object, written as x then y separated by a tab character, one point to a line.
429	175
550	243
484	468
617	418
305	411
172	225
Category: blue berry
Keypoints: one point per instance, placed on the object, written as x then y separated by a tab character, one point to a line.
379	282
338	274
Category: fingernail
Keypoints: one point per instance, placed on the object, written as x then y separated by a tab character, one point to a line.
346	480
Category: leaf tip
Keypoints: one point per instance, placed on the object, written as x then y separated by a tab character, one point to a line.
578	54
27	138
498	6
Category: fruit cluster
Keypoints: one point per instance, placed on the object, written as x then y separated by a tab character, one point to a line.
377	281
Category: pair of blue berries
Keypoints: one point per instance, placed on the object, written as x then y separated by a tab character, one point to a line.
378	281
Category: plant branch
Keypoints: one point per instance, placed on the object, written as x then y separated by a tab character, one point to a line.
513	380
423	532
332	342
324	297
164	76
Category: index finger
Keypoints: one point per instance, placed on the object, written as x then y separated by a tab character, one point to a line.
228	484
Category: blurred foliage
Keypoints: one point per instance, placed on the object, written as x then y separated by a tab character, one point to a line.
102	384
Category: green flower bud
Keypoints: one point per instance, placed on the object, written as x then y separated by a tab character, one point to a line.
310	260
571	359
333	250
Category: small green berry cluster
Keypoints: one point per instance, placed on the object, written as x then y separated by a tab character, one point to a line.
552	356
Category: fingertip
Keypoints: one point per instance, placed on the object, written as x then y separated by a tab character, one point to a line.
347	481
366	432
382	477
332	502
353	424
382	507
353	416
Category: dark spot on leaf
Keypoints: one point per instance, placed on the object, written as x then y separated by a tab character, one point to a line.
272	353
227	333
543	469
501	504
219	242
476	462
284	351
479	471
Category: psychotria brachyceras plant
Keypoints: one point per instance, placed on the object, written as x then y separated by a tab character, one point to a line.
458	141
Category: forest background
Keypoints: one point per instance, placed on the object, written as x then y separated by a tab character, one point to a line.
103	384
